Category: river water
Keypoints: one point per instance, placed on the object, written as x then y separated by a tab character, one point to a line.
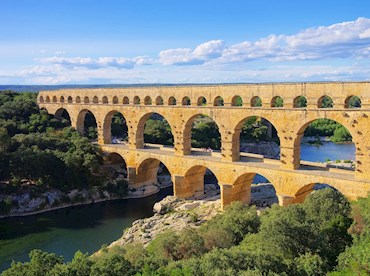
87	228
65	231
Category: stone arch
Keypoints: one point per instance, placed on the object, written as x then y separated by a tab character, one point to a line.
306	190
69	100
189	133
136	100
91	122
186	101
62	99
172	100
218	101
139	139
95	99
47	99
352	102
118	162
86	99
194	181
147	171
201	101
299	102
78	99
55	100
244	133
304	127
325	102
237	101
62	113
41	99
125	100
159	100
115	100
277	101
148	100
108	132
256	101
105	100
246	187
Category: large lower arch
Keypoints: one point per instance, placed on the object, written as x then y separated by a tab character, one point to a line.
201	131
308	189
86	124
155	129
148	172
251	188
194	181
255	135
115	128
118	163
63	115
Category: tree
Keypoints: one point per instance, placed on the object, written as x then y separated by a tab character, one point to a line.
39	265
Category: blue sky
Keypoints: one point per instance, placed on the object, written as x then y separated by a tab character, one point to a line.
136	41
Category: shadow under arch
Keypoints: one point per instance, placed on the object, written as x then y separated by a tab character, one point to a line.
199	182
202	101
62	114
315	147
158	125
152	171
115	129
86	124
118	163
237	101
277	101
325	102
352	101
256	135
201	131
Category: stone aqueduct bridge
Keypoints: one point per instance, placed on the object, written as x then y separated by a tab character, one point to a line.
180	105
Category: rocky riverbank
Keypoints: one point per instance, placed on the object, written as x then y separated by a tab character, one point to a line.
27	203
176	214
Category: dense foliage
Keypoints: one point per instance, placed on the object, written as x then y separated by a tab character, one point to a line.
37	148
329	128
304	239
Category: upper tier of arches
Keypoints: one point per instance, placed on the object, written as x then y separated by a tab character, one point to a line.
323	101
299	95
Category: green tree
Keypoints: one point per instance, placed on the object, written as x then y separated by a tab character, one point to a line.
39	265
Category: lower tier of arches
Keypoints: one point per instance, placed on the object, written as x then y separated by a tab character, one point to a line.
234	179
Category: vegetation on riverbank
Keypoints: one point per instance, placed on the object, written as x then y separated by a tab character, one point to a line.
322	235
39	153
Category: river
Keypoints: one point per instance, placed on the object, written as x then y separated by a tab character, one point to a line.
87	228
64	231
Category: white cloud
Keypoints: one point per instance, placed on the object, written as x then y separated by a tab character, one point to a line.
186	56
342	40
272	58
117	62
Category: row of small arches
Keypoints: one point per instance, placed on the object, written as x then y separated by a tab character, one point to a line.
277	101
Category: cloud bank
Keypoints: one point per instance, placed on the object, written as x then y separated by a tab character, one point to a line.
215	61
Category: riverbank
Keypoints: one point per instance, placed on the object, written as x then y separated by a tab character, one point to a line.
26	205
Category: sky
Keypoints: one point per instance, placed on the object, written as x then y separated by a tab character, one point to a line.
50	42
